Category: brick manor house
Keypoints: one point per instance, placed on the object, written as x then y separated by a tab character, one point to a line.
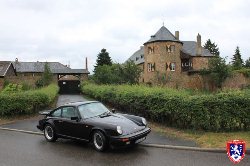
165	59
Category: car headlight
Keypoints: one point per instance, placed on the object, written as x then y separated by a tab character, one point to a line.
144	121
119	129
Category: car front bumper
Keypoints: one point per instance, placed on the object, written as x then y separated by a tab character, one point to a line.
130	139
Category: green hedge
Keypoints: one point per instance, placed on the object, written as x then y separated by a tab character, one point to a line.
224	111
28	101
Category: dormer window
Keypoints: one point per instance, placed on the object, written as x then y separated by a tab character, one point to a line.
150	50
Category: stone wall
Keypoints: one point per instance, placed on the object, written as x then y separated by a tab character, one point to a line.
200	62
236	81
83	77
28	78
196	81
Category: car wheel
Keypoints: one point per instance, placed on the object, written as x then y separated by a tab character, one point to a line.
99	141
49	133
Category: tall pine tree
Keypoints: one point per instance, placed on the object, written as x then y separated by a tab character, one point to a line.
237	61
247	63
212	47
103	58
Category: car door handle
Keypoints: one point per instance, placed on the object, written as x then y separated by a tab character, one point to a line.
60	121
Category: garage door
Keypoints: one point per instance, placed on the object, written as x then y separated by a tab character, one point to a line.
69	86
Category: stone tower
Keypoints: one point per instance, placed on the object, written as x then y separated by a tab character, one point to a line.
162	56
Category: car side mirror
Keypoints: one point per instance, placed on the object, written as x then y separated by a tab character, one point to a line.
113	110
74	118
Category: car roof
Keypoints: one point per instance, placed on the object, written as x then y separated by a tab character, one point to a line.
77	103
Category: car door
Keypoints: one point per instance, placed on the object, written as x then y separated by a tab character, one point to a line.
57	119
86	125
72	128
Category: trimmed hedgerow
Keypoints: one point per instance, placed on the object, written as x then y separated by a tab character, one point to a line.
224	111
27	102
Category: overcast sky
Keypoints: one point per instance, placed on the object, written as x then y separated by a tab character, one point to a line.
67	31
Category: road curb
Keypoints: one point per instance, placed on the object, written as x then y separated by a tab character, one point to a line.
22	131
215	150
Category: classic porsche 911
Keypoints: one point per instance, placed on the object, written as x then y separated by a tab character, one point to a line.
91	121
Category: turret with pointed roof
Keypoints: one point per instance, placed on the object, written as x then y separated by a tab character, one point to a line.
163	34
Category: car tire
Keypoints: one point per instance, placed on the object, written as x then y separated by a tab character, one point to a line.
99	141
50	133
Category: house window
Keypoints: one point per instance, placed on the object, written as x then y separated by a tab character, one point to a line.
150	50
151	67
172	66
170	48
136	58
142	56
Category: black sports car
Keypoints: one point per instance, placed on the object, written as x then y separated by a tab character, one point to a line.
91	121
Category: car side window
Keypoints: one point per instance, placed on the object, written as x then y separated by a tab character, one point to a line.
56	113
87	111
68	112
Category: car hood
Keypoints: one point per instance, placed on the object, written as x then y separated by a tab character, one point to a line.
128	126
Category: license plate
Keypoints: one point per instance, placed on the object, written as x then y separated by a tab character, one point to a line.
140	140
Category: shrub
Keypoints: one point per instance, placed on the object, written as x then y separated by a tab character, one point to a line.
27	102
244	71
224	111
12	88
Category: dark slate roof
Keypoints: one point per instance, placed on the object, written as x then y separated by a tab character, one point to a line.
163	34
38	67
71	71
4	66
189	47
138	56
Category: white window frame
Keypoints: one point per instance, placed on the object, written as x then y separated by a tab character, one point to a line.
172	66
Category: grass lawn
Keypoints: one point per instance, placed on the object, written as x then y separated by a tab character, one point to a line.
203	139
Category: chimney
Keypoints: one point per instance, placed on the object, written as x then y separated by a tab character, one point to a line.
86	61
177	35
198	45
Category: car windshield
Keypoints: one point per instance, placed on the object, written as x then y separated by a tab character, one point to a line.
92	109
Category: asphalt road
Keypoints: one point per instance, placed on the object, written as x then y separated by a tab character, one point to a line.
19	149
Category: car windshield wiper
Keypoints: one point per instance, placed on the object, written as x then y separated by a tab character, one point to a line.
105	114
